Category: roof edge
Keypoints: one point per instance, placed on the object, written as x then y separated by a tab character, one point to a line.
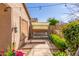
26	10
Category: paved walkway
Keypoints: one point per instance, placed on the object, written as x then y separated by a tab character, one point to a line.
38	48
41	50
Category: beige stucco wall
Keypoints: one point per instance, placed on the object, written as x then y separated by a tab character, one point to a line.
40	25
24	26
5	27
17	13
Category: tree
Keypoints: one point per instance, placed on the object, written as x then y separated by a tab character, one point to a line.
53	21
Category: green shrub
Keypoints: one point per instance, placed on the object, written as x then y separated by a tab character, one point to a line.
60	53
70	24
71	33
58	41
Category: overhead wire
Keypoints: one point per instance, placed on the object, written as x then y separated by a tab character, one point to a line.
45	6
69	8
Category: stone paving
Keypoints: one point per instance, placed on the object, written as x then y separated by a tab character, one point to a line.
41	50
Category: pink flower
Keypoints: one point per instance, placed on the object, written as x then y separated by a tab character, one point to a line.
19	53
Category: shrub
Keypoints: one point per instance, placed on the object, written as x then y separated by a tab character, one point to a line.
71	33
70	24
60	53
58	41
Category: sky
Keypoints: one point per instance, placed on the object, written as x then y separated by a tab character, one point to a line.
43	13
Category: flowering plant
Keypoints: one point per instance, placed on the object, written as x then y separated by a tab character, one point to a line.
12	52
19	53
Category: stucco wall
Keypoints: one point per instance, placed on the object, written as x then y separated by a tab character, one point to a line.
16	23
40	25
24	26
9	21
17	13
5	27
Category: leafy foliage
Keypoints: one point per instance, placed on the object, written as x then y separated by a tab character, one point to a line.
70	24
53	21
71	33
58	41
60	53
9	53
